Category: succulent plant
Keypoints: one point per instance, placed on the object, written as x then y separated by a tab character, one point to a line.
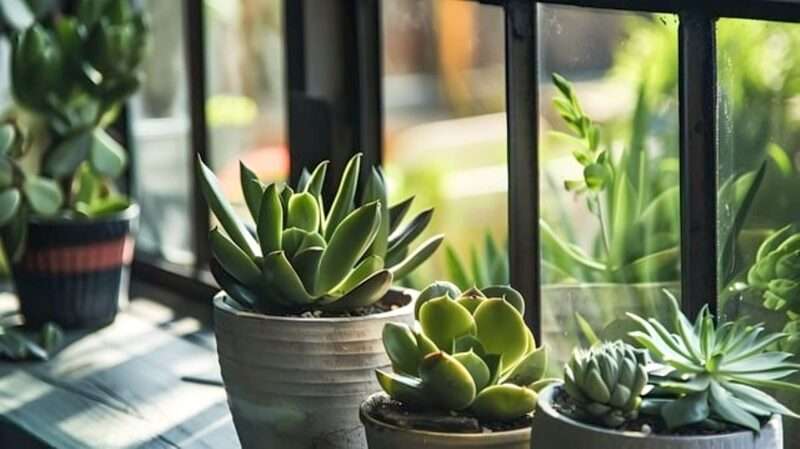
72	75
714	374
21	193
473	354
305	256
607	382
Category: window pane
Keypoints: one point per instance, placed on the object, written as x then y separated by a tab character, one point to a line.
160	124
759	126
444	100
609	189
245	104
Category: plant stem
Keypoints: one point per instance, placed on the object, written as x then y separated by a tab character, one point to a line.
603	228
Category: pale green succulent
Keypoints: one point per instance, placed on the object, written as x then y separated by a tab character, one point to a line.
714	374
607	382
474	354
305	256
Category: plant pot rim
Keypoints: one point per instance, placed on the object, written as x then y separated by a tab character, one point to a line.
129	213
505	436
589	285
220	306
545	405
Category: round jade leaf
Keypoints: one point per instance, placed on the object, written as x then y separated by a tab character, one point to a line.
502	330
9	203
504	402
443	320
447	382
477	368
44	195
435	290
511	295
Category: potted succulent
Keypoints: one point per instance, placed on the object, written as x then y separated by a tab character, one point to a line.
705	390
467	378
304	301
68	232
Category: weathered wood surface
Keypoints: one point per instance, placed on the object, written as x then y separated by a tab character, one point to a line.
120	387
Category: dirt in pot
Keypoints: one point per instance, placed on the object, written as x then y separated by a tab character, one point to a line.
646	424
395	413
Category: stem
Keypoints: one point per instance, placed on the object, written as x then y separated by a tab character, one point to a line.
603	229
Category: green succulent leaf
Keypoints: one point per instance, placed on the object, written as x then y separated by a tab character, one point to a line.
375	190
398	212
343	202
368	292
506	292
529	369
234	261
443	321
106	155
435	290
279	274
416	258
317	181
66	156
346	246
43	195
477	368
402	348
9	204
362	271
501	330
252	189
408	390
8	136
304	212
446	381
504	402
270	220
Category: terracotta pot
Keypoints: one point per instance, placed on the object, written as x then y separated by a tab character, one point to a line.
75	272
386	436
298	382
556	431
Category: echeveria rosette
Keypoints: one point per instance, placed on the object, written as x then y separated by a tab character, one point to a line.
607	382
303	256
473	354
714	373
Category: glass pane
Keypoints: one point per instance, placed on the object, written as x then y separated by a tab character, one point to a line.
444	100
609	190
160	127
245	105
759	156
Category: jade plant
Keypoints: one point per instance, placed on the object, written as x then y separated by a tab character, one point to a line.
70	77
776	273
607	382
473	355
714	375
305	256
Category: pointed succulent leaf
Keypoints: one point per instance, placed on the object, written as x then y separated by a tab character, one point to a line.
43	195
306	264
317	180
408	390
346	246
375	190
364	294
443	320
303	212
362	271
426	345
302	182
501	330
504	402
345	195
398	212
253	191
233	260
402	348
477	368
447	381
224	212
235	289
404	236
270	220
456	269
280	274
9	204
416	258
435	290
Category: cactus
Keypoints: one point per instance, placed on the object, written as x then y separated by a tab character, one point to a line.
714	374
304	257
474	354
607	382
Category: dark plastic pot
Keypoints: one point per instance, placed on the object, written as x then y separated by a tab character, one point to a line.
556	431
75	272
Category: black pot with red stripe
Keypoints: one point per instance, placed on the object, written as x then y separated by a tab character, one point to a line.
74	272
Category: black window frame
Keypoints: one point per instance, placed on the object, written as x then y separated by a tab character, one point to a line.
348	115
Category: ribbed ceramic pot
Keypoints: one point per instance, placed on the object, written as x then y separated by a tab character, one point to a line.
386	436
556	431
75	272
297	383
